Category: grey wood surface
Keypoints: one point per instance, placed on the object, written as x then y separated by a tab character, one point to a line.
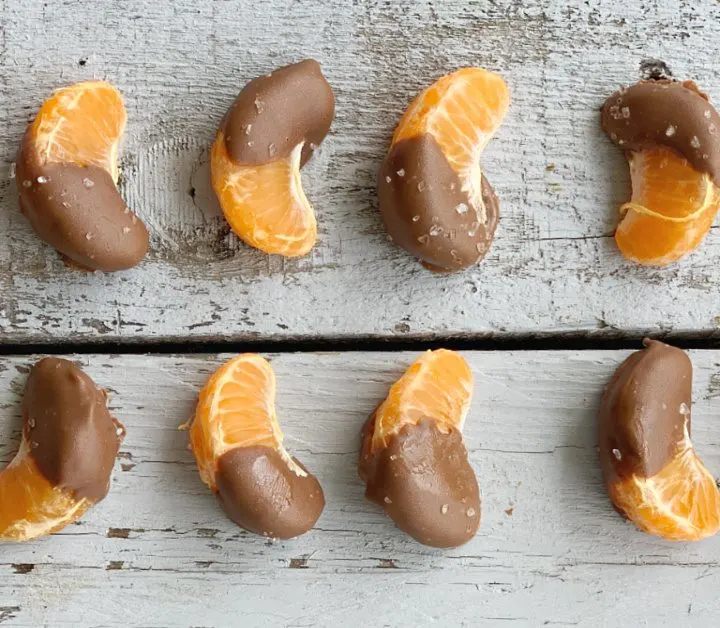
550	552
554	267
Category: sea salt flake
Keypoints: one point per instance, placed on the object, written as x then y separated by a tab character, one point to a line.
272	150
248	128
388	180
670	131
259	105
461	208
423	239
684	410
415	218
708	114
421	186
617	453
695	142
88	236
435	230
444	509
42	179
27	183
88	183
387	500
126	230
401	172
470	512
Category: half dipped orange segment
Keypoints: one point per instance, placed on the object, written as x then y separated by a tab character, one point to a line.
269	132
437	386
462	111
671	211
81	124
236	408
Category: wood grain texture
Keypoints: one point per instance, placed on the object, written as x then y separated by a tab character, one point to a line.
554	267
551	550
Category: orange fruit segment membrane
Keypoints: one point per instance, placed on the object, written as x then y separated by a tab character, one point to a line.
680	503
437	386
265	204
671	211
30	506
81	124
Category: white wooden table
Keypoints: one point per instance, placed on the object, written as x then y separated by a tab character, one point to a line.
551	551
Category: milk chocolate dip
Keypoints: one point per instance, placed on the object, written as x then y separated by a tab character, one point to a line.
79	211
426	211
644	412
666	113
73	439
275	113
262	494
424	482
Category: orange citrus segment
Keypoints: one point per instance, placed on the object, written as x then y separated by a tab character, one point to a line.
236	408
672	208
81	124
461	111
680	503
437	386
265	205
31	506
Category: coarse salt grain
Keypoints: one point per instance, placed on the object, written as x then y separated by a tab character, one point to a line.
670	131
461	208
695	142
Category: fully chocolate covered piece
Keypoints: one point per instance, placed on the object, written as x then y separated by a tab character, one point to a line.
275	113
262	494
424	482
426	211
645	412
72	437
79	211
667	113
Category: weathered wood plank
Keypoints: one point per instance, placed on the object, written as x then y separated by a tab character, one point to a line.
551	551
553	267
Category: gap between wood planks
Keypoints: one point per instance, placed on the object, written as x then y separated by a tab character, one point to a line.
522	342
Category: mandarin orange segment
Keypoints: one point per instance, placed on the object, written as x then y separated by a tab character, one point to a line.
680	503
462	111
81	124
671	211
236	408
437	386
265	205
31	506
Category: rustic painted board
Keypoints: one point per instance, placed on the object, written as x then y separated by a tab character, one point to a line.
553	269
551	551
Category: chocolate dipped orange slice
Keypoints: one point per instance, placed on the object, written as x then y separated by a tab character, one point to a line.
653	475
266	137
238	447
670	133
434	199
67	173
67	452
413	459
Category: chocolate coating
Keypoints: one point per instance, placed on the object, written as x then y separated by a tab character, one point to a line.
79	211
73	439
666	113
426	211
276	112
424	482
644	412
262	494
